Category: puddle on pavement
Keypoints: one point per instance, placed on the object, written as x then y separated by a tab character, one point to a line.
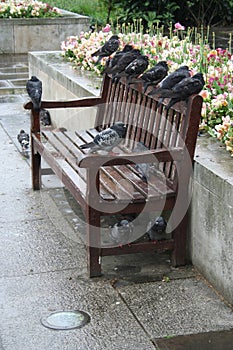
222	340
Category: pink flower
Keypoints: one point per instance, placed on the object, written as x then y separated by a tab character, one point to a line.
178	26
107	28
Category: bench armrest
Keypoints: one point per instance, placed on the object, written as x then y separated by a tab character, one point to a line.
83	102
150	156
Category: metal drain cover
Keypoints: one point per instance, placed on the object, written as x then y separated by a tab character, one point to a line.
66	320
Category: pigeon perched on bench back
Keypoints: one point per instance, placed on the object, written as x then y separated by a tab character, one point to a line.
154	75
34	90
108	48
107	139
112	62
171	80
184	89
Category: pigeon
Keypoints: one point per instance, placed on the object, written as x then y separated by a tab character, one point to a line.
154	75
156	228
123	62
185	88
107	139
23	139
45	117
135	68
171	80
108	48
111	62
34	90
121	232
142	168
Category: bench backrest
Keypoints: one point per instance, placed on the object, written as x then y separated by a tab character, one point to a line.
150	123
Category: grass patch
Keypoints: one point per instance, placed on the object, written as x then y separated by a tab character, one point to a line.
92	8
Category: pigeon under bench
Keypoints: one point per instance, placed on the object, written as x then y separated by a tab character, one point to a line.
108	181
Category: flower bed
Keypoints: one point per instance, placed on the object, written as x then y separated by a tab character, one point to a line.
27	9
177	49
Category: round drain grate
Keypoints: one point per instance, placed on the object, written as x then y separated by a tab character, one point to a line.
66	320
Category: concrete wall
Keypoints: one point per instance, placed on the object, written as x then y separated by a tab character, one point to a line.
211	231
210	237
34	34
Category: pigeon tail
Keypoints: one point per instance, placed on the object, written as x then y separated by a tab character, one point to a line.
88	145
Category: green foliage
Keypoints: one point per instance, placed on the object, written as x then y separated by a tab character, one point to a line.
190	13
95	9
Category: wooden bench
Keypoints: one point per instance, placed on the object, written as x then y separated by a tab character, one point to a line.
106	184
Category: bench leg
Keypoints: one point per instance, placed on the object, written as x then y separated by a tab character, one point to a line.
93	243
179	254
36	170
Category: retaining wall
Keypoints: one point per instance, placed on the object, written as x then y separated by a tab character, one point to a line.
35	34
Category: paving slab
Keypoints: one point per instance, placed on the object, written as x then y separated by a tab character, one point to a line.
177	307
29	247
27	299
207	341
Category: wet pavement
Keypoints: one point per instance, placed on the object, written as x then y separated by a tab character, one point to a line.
141	302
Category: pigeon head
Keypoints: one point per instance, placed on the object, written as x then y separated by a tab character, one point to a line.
163	64
114	37
120	128
200	77
124	223
34	78
127	48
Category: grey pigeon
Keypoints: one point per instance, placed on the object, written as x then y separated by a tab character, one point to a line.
112	62
107	139
185	88
23	139
170	81
122	63
156	228
154	75
34	90
121	232
142	168
108	48
136	68
45	117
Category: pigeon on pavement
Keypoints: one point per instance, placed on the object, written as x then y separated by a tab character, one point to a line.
107	139
154	75
23	139
121	232
156	228
45	117
184	89
108	48
34	90
112	62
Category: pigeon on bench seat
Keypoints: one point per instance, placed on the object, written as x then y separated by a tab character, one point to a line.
107	139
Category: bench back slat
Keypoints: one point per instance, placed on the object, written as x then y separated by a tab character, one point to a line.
148	122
